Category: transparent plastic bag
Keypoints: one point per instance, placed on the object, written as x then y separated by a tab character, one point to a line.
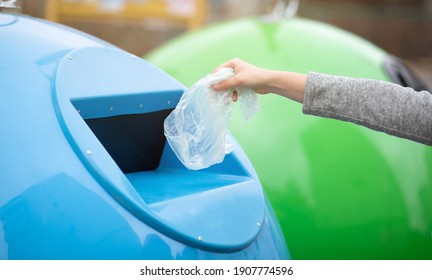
197	128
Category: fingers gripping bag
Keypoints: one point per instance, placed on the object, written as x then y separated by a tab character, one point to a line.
197	128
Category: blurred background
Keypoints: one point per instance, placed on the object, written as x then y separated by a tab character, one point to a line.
401	27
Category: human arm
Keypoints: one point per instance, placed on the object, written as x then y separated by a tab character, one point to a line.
379	105
263	81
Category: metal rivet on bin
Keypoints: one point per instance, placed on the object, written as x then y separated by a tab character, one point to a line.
141	106
258	224
200	238
69	56
169	102
111	109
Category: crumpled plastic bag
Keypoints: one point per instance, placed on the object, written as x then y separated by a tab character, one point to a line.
197	128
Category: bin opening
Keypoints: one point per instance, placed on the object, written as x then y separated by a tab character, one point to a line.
134	141
401	74
111	108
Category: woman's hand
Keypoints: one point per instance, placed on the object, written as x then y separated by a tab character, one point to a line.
262	81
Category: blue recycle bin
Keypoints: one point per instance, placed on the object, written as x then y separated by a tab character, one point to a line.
85	169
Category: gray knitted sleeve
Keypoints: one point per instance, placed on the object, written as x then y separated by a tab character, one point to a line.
378	105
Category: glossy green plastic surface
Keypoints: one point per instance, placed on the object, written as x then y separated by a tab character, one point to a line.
340	191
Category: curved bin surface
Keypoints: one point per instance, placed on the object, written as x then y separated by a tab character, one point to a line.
86	171
340	191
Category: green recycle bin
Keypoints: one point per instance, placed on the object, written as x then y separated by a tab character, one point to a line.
340	191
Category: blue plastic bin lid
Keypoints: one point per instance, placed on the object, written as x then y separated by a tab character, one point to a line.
219	209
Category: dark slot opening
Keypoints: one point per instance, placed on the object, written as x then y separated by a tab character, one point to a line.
135	141
401	74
